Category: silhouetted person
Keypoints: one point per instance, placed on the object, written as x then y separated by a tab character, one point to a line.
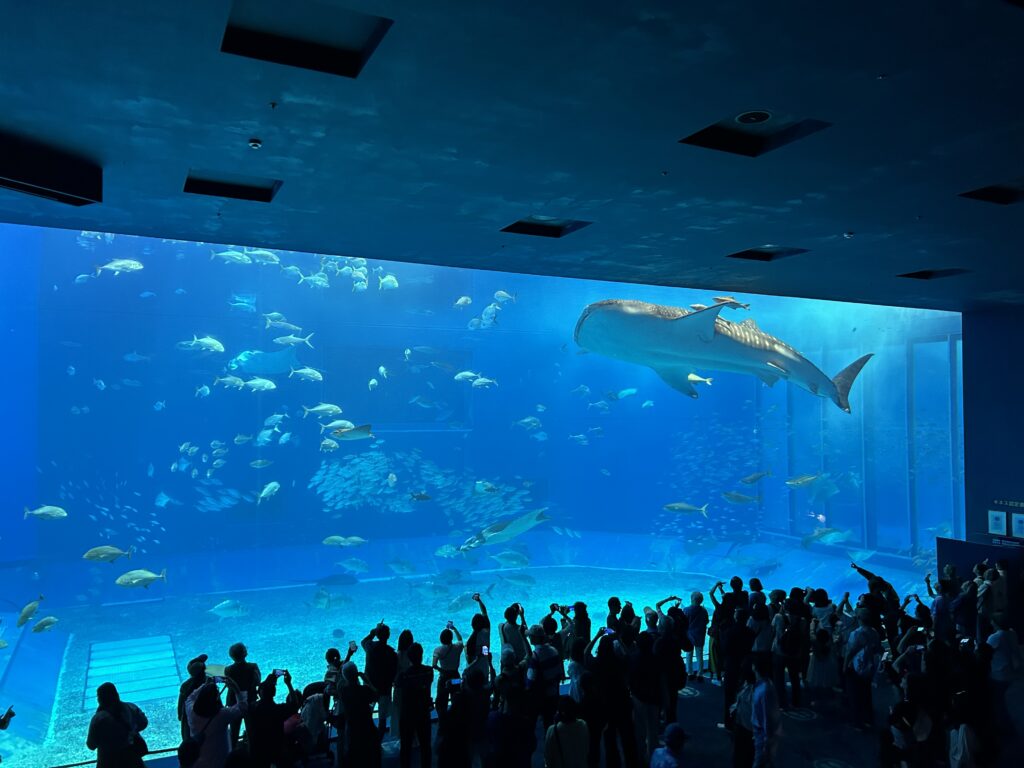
614	609
209	722
567	742
788	629
737	640
765	717
645	687
543	675
197	678
863	651
361	743
446	659
609	671
415	683
405	641
380	669
512	632
246	677
671	755
113	731
266	722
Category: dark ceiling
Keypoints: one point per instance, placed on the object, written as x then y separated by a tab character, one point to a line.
471	115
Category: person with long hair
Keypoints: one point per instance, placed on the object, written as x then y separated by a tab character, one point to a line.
115	731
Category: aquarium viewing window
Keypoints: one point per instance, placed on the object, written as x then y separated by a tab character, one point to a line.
224	442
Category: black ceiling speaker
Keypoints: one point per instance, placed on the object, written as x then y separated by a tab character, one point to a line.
545	226
46	171
306	34
754	132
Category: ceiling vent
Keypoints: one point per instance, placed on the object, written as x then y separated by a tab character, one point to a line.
304	34
754	132
44	171
545	226
1000	194
934	274
231	185
766	253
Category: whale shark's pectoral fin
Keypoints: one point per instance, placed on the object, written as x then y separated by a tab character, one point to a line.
677	379
767	378
776	367
701	323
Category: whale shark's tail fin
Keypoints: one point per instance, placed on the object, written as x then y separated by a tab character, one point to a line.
843	381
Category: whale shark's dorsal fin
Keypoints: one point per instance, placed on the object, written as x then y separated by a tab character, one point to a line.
677	379
701	322
749	323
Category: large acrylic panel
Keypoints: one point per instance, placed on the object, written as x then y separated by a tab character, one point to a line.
177	407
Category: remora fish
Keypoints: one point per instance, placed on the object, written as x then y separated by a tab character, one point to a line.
675	342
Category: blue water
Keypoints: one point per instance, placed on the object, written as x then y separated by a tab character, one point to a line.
101	401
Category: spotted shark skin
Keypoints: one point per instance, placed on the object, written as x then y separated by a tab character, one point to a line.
675	343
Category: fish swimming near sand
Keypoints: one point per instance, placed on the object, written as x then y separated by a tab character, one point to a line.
676	342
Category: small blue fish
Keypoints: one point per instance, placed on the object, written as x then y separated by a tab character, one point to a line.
147	295
159	405
71	370
203	391
99	384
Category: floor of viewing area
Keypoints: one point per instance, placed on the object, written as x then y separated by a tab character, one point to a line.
810	739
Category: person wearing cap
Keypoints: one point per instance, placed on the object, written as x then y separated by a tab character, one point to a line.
671	755
197	678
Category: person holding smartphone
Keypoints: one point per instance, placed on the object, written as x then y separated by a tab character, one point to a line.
446	659
266	721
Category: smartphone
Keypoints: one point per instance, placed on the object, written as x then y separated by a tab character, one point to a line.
450	623
352	645
485	651
454	682
609	631
214	669
279	672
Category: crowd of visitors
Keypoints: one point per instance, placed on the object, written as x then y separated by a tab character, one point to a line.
929	676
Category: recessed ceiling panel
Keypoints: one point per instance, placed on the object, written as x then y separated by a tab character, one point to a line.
1000	194
215	184
46	171
545	226
304	34
766	253
934	274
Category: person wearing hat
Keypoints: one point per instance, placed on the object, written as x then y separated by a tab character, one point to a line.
196	679
671	755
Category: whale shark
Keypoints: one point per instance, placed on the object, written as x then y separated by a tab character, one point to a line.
675	343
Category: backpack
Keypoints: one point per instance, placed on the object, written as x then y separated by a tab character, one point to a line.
789	643
865	661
